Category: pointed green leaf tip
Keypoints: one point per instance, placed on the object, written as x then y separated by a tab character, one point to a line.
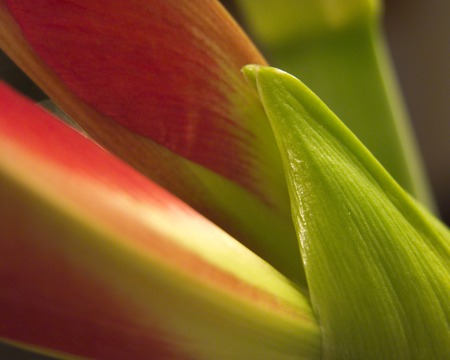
377	265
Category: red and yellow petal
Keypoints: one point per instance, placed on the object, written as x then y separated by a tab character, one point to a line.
158	83
166	70
96	261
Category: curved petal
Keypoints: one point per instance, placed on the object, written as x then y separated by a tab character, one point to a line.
377	264
142	77
97	261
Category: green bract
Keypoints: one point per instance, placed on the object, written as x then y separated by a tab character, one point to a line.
377	265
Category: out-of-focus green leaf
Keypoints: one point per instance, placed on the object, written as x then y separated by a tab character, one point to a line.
377	264
338	50
287	22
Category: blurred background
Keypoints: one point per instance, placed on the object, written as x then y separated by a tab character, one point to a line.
418	34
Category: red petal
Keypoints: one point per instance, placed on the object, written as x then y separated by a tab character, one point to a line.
167	70
97	261
51	304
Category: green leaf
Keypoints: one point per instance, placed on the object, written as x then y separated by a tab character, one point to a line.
338	50
290	22
377	264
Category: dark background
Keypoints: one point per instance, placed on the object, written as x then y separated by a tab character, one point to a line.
419	38
418	33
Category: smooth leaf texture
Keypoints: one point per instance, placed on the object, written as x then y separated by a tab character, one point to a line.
377	264
158	84
282	22
97	261
338	50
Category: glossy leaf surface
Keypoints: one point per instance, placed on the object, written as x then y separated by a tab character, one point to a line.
377	264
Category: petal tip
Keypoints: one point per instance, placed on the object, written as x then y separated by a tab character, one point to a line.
250	71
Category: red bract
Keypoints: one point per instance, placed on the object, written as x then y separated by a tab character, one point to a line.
158	68
158	83
95	258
